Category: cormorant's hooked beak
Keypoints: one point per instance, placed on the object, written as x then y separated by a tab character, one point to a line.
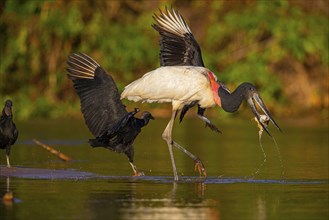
255	98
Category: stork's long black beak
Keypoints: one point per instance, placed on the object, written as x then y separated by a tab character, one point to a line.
255	98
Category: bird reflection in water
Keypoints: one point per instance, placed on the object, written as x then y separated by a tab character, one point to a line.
164	201
175	204
8	197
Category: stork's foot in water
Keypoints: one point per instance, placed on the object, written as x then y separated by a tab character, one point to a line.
198	165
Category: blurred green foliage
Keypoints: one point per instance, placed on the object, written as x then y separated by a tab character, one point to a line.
281	46
254	39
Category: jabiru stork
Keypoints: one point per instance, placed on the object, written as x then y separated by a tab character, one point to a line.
106	117
183	80
8	130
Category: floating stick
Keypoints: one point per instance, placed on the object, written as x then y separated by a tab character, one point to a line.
53	151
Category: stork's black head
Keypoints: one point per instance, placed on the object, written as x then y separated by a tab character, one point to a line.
147	116
231	101
7	109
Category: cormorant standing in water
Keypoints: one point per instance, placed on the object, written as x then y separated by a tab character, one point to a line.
8	130
102	109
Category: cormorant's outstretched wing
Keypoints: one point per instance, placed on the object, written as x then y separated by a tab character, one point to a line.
99	96
177	44
121	126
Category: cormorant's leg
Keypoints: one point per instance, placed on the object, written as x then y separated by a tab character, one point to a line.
7	156
208	122
136	172
130	155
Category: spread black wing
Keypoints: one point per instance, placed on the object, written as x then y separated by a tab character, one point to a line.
124	131
178	46
99	97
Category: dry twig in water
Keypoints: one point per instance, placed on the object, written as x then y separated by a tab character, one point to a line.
53	151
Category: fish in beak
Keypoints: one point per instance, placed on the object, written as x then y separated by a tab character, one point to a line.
263	121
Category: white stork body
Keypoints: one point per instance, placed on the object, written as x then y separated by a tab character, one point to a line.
183	80
180	85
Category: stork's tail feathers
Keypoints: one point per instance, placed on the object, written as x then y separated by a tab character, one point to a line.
81	66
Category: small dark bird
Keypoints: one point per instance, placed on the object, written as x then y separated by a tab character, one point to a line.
8	130
102	109
184	81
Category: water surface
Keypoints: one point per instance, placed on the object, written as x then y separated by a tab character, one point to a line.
97	183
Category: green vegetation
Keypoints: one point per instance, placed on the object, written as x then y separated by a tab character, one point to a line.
281	46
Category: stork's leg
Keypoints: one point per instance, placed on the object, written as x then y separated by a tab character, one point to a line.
198	163
167	136
208	122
